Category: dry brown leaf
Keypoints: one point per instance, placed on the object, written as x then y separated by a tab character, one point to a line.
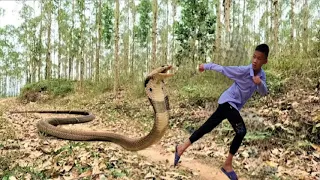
12	178
86	174
67	168
35	154
149	176
275	151
95	167
166	178
46	165
316	147
272	164
102	177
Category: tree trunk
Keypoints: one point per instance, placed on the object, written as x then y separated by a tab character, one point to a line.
292	26
305	27
78	59
126	43
83	23
218	32
98	44
133	11
40	46
167	35
48	58
271	22
59	41
33	60
91	69
267	23
276	26
27	72
116	49
154	33
71	45
174	12
227	6
65	66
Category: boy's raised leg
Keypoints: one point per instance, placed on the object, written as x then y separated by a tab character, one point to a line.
215	119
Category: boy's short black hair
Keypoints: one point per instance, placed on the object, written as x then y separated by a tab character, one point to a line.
264	48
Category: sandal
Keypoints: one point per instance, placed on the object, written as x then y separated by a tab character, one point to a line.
176	157
231	175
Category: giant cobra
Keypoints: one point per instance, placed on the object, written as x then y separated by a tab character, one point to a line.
155	90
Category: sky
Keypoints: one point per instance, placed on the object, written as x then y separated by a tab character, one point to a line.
11	15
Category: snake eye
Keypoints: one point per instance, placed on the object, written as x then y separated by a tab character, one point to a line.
150	89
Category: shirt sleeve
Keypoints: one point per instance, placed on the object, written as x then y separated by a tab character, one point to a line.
232	72
262	87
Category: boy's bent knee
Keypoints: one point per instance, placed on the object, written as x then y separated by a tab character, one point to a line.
241	131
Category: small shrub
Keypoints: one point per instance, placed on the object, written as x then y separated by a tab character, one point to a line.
52	87
275	82
198	88
102	86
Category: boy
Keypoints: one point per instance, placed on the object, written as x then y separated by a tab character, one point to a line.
247	80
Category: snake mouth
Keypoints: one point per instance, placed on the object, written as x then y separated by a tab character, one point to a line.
163	72
159	74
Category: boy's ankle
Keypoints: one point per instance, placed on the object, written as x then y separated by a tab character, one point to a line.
180	149
227	167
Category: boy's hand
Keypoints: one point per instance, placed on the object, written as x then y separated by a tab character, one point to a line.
201	68
256	80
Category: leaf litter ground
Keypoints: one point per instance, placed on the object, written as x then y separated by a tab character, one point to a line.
27	154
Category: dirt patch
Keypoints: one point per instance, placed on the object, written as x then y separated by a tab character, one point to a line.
201	170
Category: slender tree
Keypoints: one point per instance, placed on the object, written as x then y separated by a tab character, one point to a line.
116	49
276	26
48	8
218	32
98	44
154	33
292	24
133	35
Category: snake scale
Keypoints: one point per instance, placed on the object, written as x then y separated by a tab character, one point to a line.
155	90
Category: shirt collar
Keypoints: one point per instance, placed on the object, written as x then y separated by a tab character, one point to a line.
252	73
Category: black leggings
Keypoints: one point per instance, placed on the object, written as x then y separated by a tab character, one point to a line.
223	111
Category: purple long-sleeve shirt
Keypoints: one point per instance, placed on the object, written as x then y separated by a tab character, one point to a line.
243	87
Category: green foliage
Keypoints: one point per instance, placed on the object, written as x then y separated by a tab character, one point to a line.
275	82
117	173
144	27
55	87
102	86
283	72
257	135
107	23
9	56
199	87
197	23
23	171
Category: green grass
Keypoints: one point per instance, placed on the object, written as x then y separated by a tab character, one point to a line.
197	88
53	86
21	172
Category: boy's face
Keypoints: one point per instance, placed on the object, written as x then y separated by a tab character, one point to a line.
258	60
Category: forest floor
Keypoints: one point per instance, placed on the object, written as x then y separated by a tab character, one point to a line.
27	154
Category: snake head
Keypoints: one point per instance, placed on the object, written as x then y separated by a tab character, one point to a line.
160	73
154	83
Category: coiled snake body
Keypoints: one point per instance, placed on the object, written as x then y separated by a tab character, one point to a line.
154	87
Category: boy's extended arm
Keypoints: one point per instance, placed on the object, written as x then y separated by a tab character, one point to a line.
231	72
262	87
